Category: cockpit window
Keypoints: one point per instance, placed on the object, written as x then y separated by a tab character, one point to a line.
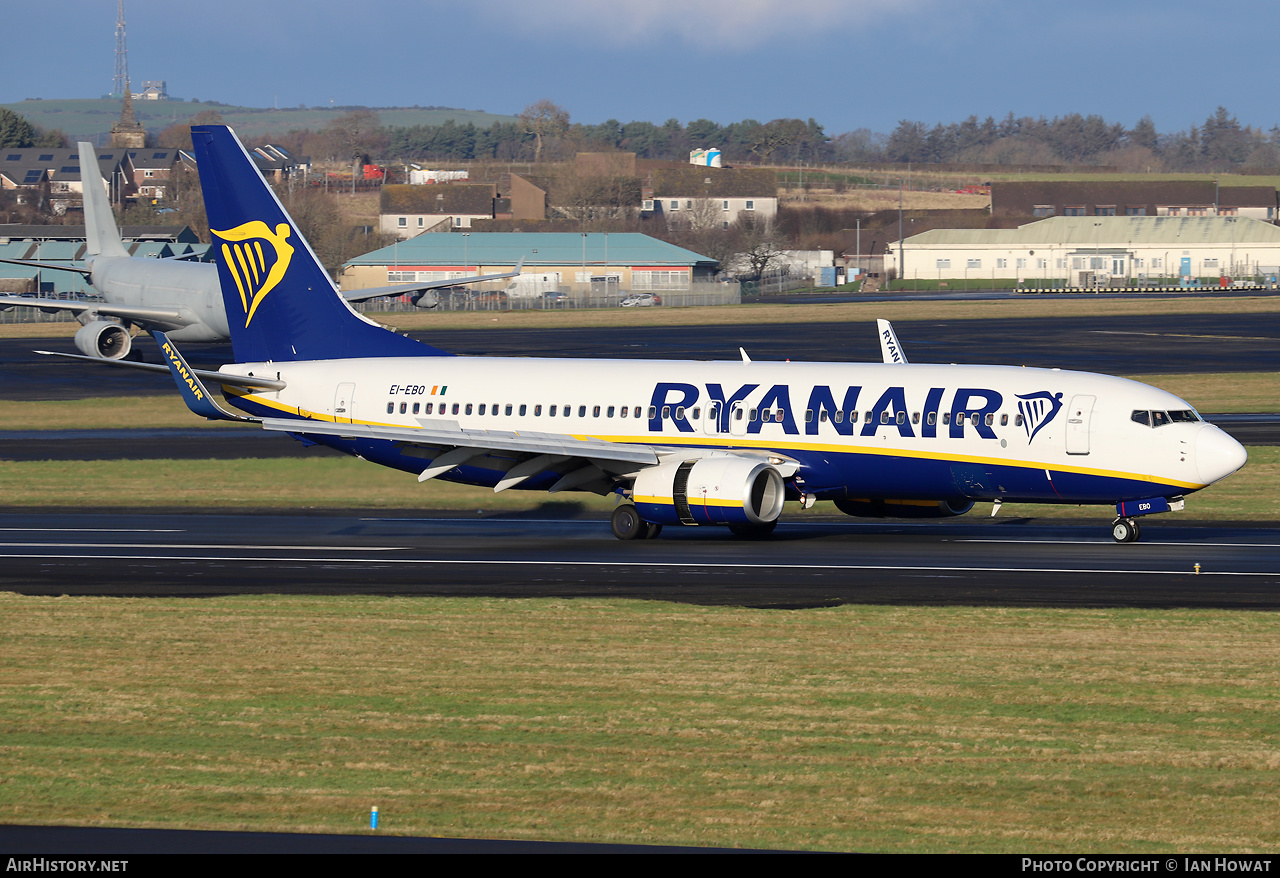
1159	419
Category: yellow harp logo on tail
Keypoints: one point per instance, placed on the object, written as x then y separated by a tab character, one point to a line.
257	258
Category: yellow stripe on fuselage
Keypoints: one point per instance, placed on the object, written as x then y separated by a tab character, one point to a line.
764	445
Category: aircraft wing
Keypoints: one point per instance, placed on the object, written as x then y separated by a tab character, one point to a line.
580	460
7	302
401	289
152	318
78	269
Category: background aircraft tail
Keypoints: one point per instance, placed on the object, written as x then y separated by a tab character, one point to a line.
281	304
101	231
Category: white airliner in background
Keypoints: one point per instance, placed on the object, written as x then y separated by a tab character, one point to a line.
181	298
680	442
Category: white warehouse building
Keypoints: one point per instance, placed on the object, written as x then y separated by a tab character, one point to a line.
1093	250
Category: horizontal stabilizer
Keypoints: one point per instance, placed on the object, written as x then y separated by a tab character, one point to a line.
223	378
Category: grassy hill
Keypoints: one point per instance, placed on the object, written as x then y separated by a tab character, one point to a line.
94	118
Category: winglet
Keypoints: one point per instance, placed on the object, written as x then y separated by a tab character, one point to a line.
745	358
194	393
890	349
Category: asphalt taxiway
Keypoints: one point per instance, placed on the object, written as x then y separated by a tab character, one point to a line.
806	563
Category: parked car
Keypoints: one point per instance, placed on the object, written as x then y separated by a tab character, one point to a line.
641	300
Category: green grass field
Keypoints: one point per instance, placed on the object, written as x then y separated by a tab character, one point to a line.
851	728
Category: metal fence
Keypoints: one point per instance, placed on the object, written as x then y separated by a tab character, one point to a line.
486	298
492	297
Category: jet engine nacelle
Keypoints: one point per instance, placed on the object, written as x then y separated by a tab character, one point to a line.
710	490
882	508
105	339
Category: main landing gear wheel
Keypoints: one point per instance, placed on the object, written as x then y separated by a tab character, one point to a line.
1125	530
627	523
651	530
753	531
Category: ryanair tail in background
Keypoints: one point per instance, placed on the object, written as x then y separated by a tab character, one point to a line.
281	303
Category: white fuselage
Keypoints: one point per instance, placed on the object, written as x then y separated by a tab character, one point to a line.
911	431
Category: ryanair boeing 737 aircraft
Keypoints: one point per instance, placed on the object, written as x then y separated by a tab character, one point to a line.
680	442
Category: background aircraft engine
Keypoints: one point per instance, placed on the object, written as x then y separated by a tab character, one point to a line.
882	508
710	490
104	339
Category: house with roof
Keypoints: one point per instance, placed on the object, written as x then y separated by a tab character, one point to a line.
152	169
59	171
408	210
705	197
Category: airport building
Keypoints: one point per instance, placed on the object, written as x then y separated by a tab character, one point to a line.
1093	250
572	264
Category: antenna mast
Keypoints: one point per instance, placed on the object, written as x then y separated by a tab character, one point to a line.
122	55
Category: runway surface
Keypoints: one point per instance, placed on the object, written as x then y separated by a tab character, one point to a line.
811	563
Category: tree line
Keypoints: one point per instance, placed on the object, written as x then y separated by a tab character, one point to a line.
545	132
1220	143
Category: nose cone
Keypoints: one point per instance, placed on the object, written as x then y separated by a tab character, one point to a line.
1217	454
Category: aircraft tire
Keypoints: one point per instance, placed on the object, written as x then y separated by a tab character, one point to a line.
626	522
651	530
753	531
1125	530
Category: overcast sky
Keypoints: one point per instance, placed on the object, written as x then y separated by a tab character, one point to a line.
847	63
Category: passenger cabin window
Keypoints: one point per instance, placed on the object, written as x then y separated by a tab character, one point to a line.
391	408
404	406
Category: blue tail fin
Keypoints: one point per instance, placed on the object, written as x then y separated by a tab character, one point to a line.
281	304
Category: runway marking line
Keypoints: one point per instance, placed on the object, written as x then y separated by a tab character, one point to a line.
661	564
1036	542
98	530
